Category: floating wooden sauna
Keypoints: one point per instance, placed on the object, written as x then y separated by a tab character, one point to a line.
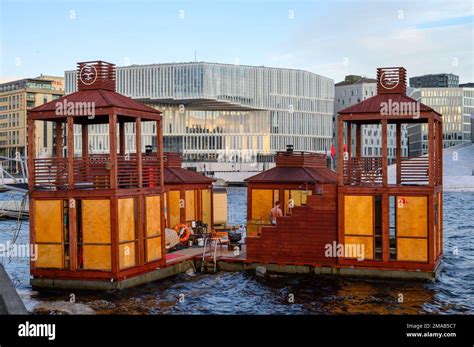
307	192
188	194
95	216
400	222
393	229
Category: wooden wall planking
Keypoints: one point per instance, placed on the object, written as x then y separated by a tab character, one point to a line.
297	240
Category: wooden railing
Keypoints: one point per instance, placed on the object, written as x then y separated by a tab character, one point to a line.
368	171
94	172
438	172
361	171
254	227
414	170
50	173
127	174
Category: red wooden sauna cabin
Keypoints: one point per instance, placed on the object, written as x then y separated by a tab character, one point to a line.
399	223
360	223
96	219
307	192
188	194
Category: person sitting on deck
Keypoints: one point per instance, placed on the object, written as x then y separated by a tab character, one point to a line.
275	212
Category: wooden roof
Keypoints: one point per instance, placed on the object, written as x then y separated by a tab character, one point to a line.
103	101
297	167
391	102
295	175
175	174
374	104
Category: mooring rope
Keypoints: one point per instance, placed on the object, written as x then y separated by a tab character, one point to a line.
19	223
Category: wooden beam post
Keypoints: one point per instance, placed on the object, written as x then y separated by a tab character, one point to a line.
340	220
31	153
349	151
398	151
59	149
431	151
70	152
249	201
114	238
340	151
166	203
212	207
72	215
121	138
358	149
140	198
441	157
431	239
385	227
140	223
163	224
138	139
59	139
440	219
85	148
198	204
113	149
160	153
182	210
349	139
440	152
85	140
384	152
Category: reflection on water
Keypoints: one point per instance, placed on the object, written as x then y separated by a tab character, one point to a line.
245	293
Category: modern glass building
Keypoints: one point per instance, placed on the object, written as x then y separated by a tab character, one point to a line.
457	107
228	117
442	80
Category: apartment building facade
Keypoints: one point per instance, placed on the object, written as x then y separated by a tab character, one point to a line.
457	107
16	97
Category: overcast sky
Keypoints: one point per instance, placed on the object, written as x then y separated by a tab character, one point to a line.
331	38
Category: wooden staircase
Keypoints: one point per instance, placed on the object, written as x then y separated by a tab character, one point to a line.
299	238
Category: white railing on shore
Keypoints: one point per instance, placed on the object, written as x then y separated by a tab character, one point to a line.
6	176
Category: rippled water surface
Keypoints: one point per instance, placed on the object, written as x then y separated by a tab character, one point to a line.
245	293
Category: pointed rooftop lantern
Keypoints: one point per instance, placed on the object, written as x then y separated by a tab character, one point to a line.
95	216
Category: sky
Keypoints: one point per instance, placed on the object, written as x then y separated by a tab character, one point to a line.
331	38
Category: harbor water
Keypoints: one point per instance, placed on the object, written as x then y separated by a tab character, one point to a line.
246	293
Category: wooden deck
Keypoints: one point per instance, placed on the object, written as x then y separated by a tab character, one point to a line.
195	253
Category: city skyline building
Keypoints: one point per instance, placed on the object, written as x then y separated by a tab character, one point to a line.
457	107
442	80
18	96
224	117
